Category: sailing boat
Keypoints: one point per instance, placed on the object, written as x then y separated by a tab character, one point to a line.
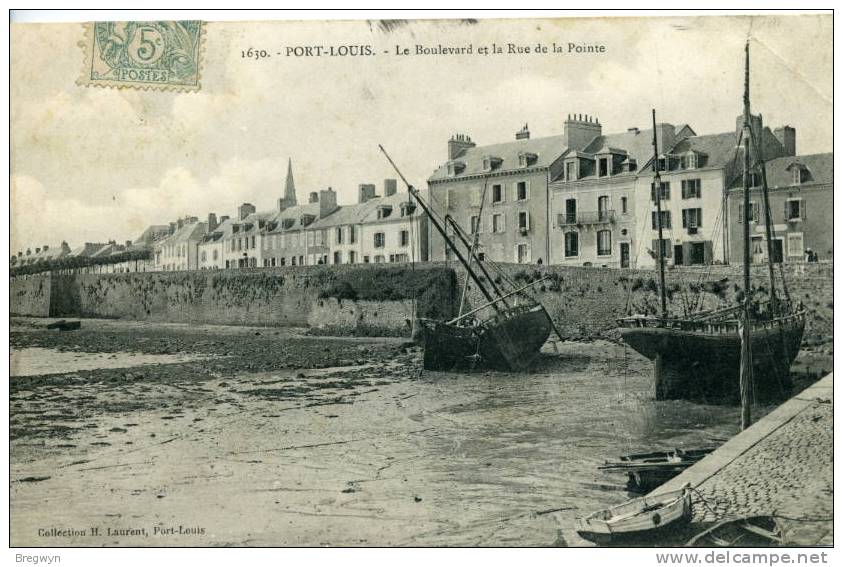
700	355
506	332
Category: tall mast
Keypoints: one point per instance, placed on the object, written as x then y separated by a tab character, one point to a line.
657	184
746	351
412	190
768	221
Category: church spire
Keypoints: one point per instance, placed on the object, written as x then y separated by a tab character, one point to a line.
289	198
290	188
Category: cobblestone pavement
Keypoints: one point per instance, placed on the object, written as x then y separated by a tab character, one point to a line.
789	474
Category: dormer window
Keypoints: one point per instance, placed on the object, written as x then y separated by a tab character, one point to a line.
455	167
407	208
603	167
288	223
526	159
305	220
571	170
384	211
491	162
799	173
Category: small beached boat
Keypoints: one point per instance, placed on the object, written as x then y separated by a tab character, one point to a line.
65	325
637	518
753	531
648	471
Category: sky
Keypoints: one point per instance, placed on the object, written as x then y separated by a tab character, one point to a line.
90	164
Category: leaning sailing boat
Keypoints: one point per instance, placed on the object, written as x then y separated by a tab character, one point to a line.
700	355
506	332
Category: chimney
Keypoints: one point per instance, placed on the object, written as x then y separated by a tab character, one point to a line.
20	254
37	250
458	144
28	252
180	223
65	247
580	130
390	187
365	192
212	222
327	202
665	135
45	248
245	210
172	228
786	136
313	197
224	218
755	121
128	244
523	133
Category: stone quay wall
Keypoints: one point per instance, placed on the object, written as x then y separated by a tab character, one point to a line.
585	302
371	300
346	300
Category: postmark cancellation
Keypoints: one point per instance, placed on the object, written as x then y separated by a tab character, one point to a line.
164	55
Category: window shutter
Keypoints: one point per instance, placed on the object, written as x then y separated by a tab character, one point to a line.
528	226
529	248
527	183
503	223
803	208
490	226
684	218
653	192
699	217
653	216
684	189
740	213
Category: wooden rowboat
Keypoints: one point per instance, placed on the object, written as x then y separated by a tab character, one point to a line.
648	471
641	517
753	531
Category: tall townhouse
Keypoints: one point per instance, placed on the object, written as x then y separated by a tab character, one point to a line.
800	192
180	250
592	200
289	239
394	230
514	177
695	173
341	230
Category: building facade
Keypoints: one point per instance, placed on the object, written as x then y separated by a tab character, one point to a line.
800	192
696	172
593	200
510	181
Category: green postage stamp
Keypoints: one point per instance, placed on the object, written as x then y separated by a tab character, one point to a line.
146	55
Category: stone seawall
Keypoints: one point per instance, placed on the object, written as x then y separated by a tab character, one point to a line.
585	302
357	300
370	299
30	296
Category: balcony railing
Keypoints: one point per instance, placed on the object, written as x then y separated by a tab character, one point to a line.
586	217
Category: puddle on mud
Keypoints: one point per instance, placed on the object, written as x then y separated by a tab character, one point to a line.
40	361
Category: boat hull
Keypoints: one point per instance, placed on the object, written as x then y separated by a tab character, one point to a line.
637	520
705	363
510	340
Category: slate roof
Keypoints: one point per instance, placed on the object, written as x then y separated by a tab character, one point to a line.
547	150
820	169
151	232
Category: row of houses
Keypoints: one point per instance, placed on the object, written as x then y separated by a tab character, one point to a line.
385	228
583	197
587	198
